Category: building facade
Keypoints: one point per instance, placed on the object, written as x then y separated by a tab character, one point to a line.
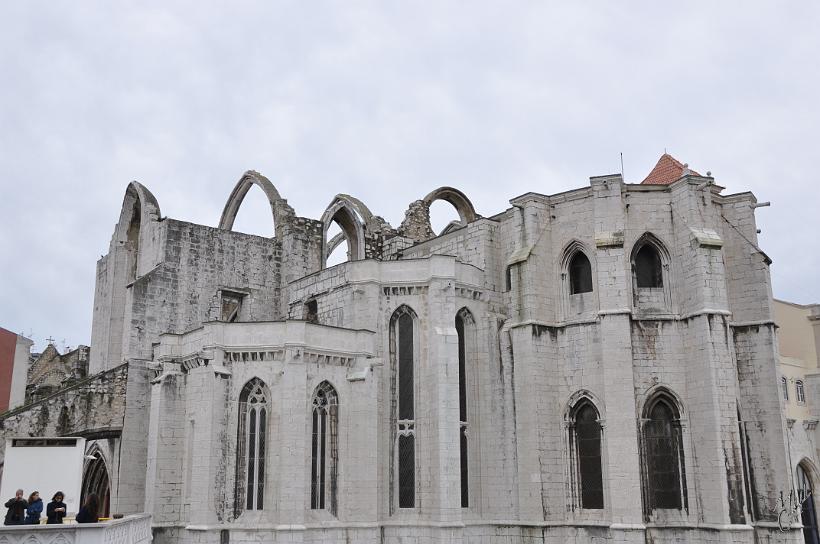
598	365
14	360
799	343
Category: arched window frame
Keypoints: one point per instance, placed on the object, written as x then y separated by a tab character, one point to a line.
468	398
577	305
676	427
784	386
589	495
403	443
800	392
324	408
657	298
252	446
352	217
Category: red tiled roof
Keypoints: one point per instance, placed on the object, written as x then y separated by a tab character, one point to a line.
667	170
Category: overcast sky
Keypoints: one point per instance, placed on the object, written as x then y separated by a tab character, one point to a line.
385	101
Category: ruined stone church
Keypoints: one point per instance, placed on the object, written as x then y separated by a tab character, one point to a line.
597	365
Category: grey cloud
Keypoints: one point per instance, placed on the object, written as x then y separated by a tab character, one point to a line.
384	102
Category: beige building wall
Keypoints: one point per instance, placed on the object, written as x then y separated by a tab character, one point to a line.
797	344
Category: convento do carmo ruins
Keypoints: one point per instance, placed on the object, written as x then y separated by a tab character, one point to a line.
598	365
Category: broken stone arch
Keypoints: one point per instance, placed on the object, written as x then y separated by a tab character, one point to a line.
279	207
353	217
139	207
462	204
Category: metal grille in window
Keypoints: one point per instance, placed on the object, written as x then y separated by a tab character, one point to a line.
324	448
648	268
800	392
251	447
462	411
588	450
663	456
580	274
403	451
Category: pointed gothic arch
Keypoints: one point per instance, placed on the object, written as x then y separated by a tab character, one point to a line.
584	423
96	479
664	468
278	206
324	457
139	208
404	351
252	446
650	262
353	217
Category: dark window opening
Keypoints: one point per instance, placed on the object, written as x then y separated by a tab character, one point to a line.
588	444
406	407
580	274
800	393
462	411
784	383
648	268
403	410
407	471
311	314
663	456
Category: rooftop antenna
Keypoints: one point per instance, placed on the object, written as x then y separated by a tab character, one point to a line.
622	165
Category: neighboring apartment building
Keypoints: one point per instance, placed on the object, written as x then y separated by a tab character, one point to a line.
14	360
798	338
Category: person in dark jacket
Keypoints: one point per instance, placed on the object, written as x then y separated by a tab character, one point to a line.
35	508
16	514
55	511
89	512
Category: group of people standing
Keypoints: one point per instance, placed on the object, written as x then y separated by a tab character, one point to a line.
28	512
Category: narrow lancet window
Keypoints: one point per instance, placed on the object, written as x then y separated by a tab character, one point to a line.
461	317
664	455
402	335
251	446
588	443
324	448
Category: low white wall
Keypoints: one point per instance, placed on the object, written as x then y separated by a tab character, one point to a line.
134	529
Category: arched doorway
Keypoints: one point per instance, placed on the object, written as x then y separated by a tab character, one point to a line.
95	480
808	514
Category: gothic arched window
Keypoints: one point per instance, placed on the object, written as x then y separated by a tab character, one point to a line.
324	448
580	274
251	446
585	440
800	393
648	267
663	454
784	384
464	320
403	410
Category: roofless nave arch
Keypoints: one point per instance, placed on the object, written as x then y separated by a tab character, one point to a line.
354	219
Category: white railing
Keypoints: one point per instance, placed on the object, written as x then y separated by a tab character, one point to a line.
134	529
